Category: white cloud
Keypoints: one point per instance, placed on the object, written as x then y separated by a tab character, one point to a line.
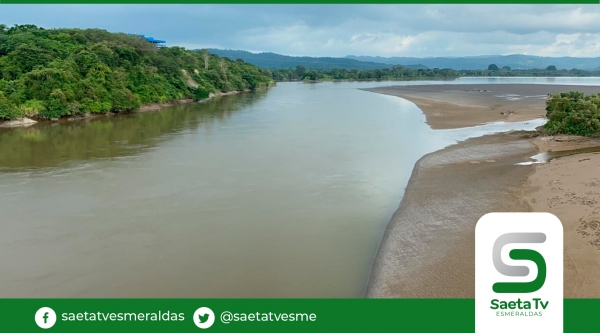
339	30
578	45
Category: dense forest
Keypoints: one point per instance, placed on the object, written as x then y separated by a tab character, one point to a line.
573	113
394	73
51	73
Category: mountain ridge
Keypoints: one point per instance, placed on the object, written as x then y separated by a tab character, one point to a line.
273	60
278	61
514	61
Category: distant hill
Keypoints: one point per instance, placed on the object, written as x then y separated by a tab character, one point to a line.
278	61
515	61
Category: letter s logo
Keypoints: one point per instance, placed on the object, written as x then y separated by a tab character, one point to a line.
519	254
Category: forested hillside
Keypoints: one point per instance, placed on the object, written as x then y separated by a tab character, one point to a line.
51	73
273	60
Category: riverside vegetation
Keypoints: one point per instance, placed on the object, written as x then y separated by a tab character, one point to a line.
52	73
300	73
550	71
393	73
573	113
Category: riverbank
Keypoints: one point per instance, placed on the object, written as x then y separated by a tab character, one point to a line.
371	80
428	246
144	108
159	106
463	105
23	122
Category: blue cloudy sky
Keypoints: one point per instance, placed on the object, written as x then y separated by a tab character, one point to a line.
340	30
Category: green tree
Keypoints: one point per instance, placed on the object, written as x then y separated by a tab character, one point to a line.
63	72
493	67
300	70
573	113
310	75
8	110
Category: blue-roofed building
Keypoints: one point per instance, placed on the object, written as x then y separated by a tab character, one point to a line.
157	42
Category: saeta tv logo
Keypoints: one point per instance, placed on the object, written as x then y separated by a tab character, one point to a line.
519	273
519	254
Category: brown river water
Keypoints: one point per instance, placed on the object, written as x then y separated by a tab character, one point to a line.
283	193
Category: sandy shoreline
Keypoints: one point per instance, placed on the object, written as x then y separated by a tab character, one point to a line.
463	105
428	247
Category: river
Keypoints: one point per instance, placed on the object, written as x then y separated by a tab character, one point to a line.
279	193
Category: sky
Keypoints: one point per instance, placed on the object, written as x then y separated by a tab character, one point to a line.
340	30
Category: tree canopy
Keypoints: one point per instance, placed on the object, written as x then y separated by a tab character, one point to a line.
51	73
573	113
394	73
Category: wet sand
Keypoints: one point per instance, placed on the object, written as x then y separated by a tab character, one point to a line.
463	105
428	247
569	187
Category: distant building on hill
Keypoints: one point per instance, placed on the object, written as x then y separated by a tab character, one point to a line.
157	42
